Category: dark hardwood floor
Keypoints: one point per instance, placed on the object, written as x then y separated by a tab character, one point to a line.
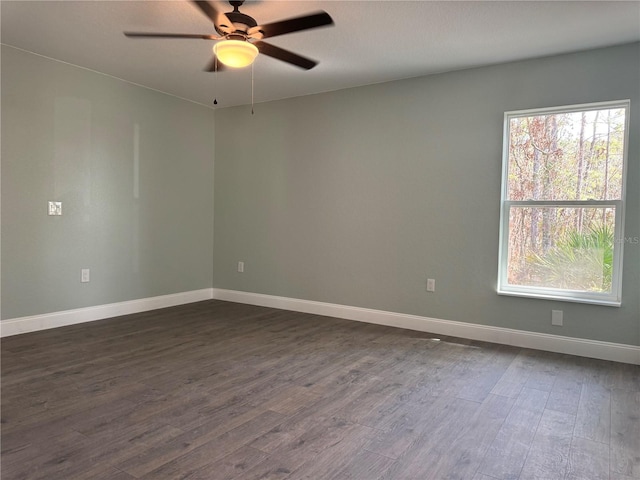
217	390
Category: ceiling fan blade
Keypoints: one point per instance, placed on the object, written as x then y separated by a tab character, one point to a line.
170	35
315	20
212	67
219	19
285	55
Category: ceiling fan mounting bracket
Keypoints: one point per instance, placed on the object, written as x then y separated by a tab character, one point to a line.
240	21
236	4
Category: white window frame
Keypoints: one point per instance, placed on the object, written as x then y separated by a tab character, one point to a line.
503	287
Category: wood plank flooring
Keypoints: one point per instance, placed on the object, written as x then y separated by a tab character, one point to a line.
217	390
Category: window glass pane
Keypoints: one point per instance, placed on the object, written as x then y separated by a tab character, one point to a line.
567	156
562	248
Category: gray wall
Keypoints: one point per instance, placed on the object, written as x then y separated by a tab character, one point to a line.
134	171
352	197
355	197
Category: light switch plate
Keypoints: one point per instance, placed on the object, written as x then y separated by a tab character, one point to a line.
55	208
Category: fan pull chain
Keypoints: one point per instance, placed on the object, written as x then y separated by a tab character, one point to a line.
252	89
215	80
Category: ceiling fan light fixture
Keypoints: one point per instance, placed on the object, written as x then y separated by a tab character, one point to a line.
235	53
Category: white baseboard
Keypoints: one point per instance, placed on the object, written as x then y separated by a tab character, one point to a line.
34	323
539	341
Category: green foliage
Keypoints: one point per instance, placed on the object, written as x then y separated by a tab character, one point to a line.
571	156
579	261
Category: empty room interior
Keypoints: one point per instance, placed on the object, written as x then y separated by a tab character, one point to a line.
320	240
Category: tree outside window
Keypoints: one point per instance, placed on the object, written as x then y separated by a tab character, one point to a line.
562	202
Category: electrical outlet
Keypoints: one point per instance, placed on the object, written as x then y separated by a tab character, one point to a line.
85	275
431	285
556	318
241	267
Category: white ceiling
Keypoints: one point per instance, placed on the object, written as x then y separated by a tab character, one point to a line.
371	42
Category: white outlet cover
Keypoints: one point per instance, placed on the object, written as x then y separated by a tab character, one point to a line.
556	317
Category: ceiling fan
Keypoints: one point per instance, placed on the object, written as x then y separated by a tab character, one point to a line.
240	36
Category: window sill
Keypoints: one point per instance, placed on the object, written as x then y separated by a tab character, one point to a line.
561	298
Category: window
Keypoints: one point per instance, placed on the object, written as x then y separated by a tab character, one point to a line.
562	212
